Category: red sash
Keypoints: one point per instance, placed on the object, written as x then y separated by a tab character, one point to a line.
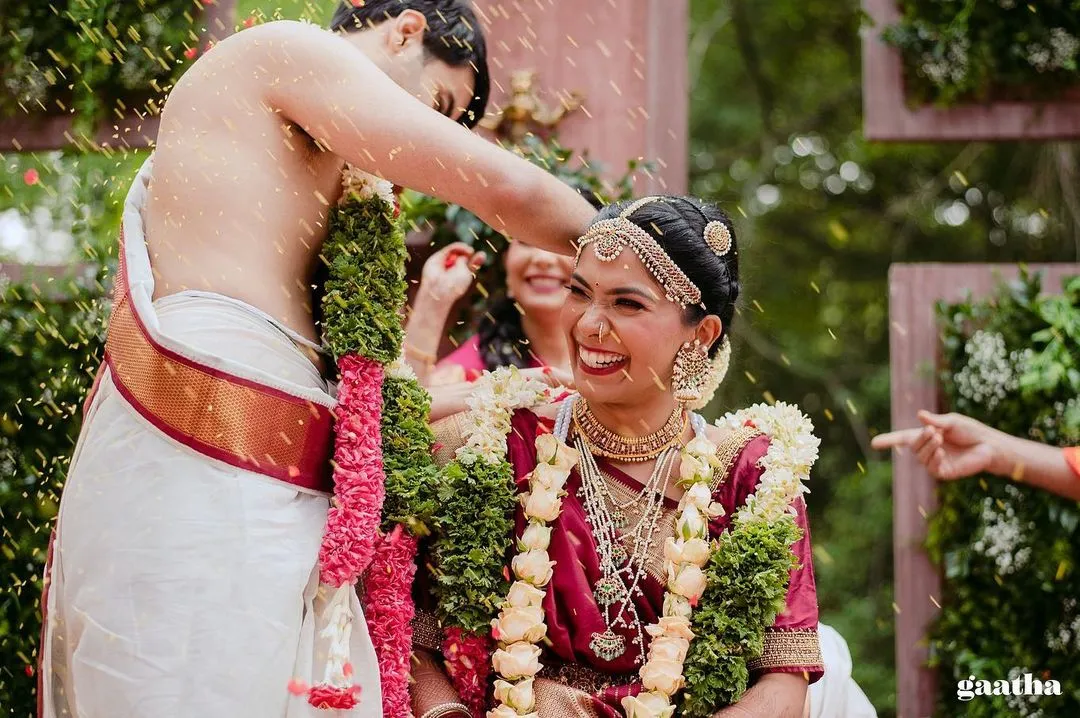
226	417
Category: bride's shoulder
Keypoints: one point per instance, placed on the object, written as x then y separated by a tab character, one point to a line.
778	422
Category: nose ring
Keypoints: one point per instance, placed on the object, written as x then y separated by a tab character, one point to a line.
600	332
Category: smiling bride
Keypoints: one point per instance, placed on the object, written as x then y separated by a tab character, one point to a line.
655	560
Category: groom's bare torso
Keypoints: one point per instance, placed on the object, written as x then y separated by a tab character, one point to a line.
240	194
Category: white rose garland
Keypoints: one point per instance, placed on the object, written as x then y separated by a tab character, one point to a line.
520	625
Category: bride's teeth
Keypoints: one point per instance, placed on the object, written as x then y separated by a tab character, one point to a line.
599	360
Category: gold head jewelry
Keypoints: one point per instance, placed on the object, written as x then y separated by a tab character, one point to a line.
610	236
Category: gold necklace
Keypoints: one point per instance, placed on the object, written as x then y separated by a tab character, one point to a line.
605	442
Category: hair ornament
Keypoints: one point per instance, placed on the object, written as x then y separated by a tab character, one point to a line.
718	237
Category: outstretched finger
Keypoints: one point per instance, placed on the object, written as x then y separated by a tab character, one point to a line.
895	439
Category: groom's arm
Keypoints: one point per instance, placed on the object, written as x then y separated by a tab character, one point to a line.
774	695
338	96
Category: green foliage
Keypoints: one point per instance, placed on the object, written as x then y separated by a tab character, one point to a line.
821	214
962	50
1011	554
77	195
411	475
365	291
364	295
476	522
91	56
49	351
747	578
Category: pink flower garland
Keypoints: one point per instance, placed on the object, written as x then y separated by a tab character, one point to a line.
353	521
468	663
389	609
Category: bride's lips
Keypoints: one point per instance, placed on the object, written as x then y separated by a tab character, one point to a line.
600	362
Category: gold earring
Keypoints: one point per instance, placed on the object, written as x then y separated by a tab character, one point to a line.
689	372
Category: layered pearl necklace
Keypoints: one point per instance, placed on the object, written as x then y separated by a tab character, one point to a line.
621	574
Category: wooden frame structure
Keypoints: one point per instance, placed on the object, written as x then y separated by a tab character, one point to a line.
137	130
914	343
887	115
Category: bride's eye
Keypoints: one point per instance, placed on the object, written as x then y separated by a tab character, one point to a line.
629	304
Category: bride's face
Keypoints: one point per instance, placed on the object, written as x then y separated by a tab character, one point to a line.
642	330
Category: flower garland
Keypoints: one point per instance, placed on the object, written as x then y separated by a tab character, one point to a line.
382	446
750	563
520	625
739	583
476	498
685	555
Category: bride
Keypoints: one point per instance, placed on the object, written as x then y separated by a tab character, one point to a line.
643	571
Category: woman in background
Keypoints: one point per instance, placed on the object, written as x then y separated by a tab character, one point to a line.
519	328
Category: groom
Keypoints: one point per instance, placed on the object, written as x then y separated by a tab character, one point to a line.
183	576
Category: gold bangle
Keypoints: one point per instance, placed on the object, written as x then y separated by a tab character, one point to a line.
1018	472
447	709
426	357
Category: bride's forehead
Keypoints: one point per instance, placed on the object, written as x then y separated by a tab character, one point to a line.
623	270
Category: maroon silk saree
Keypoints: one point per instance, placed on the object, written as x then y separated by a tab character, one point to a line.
575	681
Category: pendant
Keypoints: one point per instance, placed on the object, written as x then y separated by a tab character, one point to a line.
607	645
618	519
609	590
618	554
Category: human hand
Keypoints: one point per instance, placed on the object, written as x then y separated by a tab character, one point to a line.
448	274
950	446
555	378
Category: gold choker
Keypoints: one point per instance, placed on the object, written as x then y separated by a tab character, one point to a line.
604	442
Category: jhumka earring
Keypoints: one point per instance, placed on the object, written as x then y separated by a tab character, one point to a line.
690	372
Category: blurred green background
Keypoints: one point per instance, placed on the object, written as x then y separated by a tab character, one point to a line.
776	138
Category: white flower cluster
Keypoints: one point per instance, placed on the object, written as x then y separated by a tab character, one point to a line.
520	625
990	372
1002	537
950	69
1063	422
366	185
496	396
1066	639
685	556
400	369
793	449
1024	705
1060	52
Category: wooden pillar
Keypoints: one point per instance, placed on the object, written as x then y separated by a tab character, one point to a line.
914	289
627	58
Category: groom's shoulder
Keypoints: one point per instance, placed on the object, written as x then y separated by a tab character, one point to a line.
279	39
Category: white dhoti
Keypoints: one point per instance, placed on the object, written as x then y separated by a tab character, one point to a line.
182	586
837	695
